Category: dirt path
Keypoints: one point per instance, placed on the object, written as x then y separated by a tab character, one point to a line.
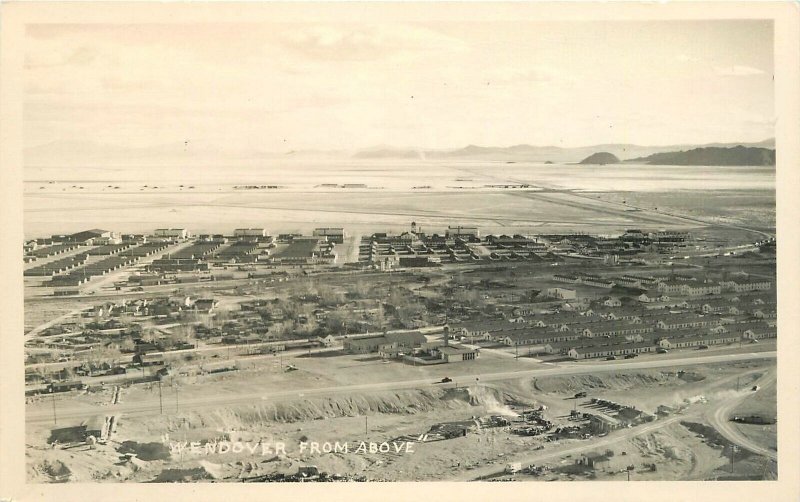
719	419
38	329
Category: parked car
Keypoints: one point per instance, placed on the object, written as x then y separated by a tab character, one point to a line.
447	380
631	356
702	347
610	358
661	350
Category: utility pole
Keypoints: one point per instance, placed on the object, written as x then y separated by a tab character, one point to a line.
52	395
176	396
734	449
160	401
366	424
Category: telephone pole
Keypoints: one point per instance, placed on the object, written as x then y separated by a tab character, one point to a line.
160	401
52	395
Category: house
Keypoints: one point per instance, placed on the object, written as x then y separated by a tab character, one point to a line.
701	288
765	313
467	233
597	282
483	330
327	341
612	302
705	339
538	336
90	237
205	305
677	321
172	233
453	352
570	279
250	232
304	250
717	306
561	319
744	285
614	349
752	330
335	235
149	359
632	416
652	297
390	342
561	293
594	461
614	328
600	424
671	287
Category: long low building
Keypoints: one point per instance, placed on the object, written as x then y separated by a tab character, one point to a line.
384	343
696	341
538	337
613	349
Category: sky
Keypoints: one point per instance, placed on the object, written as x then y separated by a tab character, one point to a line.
278	87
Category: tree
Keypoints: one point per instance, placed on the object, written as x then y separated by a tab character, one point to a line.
127	345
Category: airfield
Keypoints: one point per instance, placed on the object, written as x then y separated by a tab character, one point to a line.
325	394
369	196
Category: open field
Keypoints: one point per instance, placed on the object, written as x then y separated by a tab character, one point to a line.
434	194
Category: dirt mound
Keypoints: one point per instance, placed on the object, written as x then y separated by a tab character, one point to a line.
406	402
399	402
145	451
182	475
691	376
55	469
615	381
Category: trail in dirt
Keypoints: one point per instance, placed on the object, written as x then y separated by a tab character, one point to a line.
720	420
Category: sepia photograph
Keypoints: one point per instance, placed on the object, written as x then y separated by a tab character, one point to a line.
368	243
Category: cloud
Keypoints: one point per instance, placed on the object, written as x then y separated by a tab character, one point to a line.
737	71
364	42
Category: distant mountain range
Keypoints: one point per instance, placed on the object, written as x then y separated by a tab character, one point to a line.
712	156
89	153
530	153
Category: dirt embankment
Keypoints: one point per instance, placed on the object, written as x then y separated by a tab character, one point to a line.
395	402
615	381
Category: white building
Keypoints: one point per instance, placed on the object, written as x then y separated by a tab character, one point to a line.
172	233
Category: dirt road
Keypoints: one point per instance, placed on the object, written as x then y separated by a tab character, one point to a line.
615	437
68	410
720	420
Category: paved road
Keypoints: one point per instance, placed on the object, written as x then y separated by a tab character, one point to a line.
720	420
146	407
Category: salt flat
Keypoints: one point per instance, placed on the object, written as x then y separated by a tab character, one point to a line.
497	196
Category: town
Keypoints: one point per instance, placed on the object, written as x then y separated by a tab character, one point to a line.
178	310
